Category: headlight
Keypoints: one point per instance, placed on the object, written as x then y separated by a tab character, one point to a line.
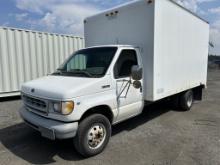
64	108
67	107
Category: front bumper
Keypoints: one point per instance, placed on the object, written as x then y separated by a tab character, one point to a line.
48	128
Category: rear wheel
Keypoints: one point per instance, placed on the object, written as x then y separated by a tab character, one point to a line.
186	100
93	135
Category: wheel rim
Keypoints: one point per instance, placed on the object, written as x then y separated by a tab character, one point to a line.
96	136
189	100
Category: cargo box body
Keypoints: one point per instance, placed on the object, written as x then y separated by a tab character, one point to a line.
173	43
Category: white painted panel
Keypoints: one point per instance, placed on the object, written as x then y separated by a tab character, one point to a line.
4	62
181	50
133	25
20	58
172	40
27	55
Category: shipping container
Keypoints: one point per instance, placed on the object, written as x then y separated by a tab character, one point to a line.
27	55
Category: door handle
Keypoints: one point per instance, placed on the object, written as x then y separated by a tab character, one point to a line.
105	86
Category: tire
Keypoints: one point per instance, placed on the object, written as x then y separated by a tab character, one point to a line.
186	100
93	135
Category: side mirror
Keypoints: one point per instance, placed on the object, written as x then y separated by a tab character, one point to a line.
136	73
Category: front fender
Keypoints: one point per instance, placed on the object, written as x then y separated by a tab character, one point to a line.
84	103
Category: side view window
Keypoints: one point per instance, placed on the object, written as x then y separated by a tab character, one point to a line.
123	66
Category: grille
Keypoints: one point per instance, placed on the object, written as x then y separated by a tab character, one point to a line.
35	104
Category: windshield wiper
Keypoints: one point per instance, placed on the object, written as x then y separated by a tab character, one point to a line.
61	71
81	72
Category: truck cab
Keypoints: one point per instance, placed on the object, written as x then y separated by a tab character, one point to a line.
95	83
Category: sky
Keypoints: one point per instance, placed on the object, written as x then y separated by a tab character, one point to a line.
66	16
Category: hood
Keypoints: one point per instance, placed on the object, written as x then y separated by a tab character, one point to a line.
63	88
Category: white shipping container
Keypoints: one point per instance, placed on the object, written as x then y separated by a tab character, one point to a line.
27	55
173	43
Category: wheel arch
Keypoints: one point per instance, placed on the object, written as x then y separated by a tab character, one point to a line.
101	109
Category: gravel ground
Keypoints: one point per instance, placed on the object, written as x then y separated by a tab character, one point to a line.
159	136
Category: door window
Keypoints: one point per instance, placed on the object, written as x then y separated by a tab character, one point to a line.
126	60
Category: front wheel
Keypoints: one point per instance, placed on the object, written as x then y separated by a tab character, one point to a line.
93	135
186	100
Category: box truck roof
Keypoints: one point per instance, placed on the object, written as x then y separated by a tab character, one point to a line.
128	3
118	46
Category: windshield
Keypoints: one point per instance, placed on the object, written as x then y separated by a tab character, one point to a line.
92	62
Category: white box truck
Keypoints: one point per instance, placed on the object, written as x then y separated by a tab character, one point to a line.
137	53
